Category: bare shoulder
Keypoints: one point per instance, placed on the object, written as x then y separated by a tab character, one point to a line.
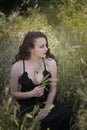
51	62
17	67
51	65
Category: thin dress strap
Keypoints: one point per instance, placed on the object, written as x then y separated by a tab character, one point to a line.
44	64
23	66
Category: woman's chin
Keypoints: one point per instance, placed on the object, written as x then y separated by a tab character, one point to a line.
43	56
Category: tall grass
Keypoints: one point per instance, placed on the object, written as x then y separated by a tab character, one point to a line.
66	28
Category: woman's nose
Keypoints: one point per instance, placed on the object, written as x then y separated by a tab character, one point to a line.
46	48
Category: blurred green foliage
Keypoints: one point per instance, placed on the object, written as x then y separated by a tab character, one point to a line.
65	24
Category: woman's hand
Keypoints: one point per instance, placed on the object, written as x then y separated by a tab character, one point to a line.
42	114
38	91
45	111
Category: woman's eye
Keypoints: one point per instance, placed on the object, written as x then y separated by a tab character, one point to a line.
42	46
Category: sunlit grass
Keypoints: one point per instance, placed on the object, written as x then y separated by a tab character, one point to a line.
66	29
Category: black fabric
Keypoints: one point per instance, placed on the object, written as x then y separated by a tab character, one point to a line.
57	119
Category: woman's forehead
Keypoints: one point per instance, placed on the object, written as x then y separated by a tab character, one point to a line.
40	40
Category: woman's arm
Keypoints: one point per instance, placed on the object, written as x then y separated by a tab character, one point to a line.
51	96
52	93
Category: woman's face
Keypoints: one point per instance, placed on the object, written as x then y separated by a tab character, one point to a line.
40	49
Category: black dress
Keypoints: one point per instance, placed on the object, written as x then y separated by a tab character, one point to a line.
57	119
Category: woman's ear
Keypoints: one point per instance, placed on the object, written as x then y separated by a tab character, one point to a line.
31	50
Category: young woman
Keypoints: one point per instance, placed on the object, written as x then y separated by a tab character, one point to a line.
33	62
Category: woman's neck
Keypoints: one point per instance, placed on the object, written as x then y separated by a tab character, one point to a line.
35	60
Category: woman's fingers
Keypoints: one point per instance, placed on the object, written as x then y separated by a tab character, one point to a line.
38	91
42	114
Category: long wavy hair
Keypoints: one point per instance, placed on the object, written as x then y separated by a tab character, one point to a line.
28	43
